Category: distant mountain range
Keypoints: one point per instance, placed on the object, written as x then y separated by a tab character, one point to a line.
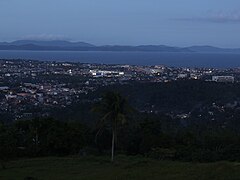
82	46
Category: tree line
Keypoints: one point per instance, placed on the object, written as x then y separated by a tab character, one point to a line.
121	129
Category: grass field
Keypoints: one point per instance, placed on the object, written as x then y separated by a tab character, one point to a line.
125	168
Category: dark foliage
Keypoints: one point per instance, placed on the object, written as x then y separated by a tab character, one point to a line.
210	134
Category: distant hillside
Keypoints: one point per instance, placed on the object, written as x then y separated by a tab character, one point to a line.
47	43
82	46
211	49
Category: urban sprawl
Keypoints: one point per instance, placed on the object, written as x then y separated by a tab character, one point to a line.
27	85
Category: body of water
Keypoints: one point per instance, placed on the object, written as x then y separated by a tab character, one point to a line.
217	60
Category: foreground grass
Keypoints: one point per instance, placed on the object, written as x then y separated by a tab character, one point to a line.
126	168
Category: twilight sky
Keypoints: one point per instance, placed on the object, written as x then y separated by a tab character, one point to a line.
129	22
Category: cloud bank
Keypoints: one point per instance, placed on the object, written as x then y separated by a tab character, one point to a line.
219	17
45	37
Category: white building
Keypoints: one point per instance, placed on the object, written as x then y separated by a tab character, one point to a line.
98	73
2	88
223	79
182	76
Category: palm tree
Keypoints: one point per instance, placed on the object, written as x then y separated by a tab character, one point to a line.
113	109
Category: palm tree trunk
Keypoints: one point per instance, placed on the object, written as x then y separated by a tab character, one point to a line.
36	142
113	144
3	164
